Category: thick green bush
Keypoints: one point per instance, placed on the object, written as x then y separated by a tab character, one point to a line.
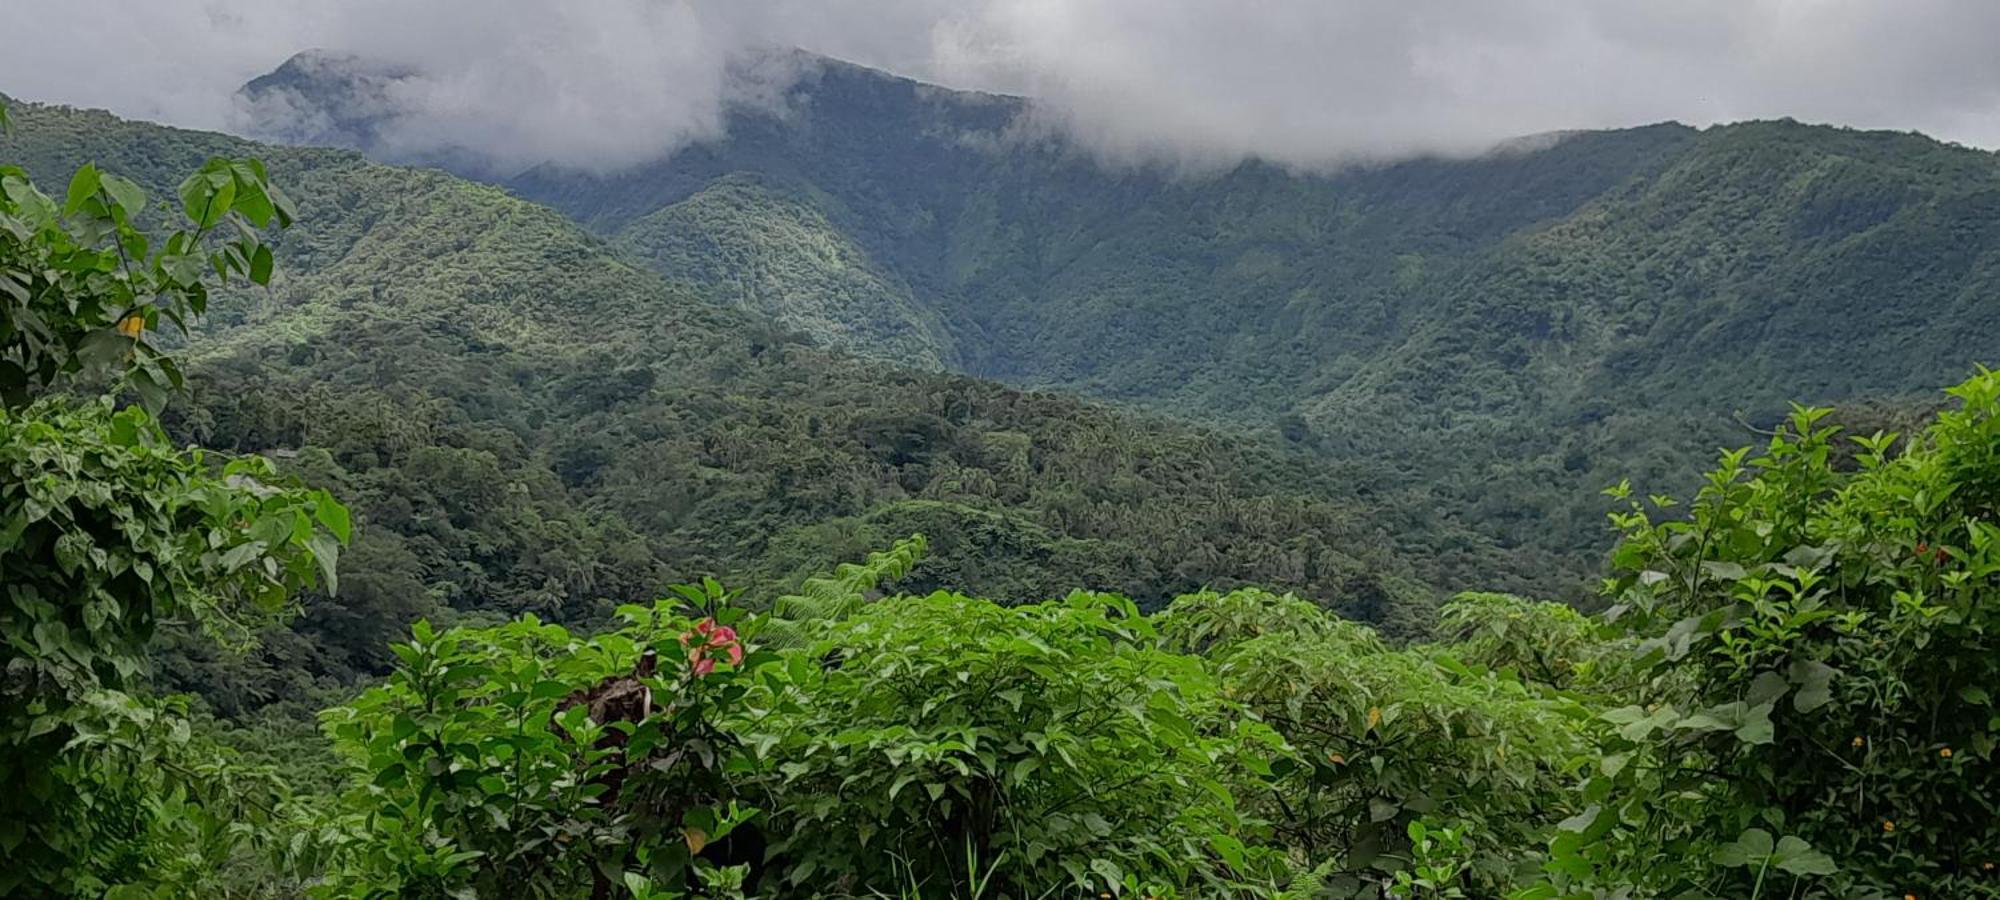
927	742
1822	656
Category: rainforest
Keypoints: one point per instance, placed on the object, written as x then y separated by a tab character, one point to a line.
870	502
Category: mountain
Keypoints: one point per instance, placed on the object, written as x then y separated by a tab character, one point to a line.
1505	333
769	250
524	422
323	99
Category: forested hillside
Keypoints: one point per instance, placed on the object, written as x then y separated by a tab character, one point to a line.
1510	332
524	423
429	449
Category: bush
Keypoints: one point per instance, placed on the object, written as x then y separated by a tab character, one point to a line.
521	760
1824	643
939	741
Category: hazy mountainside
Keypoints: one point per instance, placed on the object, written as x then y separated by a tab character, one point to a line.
1512	331
523	422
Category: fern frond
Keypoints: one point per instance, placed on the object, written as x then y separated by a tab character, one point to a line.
826	599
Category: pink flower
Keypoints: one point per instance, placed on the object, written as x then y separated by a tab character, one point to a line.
705	636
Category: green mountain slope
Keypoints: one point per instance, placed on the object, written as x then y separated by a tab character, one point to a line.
523	422
1510	332
765	249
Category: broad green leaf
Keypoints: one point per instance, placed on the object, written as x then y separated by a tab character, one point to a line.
1751	848
82	186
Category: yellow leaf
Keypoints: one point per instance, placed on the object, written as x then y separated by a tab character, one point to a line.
696	839
131	326
1374	716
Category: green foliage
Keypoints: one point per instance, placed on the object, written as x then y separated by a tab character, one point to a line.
523	423
110	533
1497	336
1382	737
520	760
1212	624
753	246
1544	643
1790	696
1821	641
943	745
1435	864
827	599
1482	342
1052	746
82	285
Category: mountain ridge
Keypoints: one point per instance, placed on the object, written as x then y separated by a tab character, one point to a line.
1492	327
524	422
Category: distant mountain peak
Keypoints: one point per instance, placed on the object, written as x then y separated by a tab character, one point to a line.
389	110
323	97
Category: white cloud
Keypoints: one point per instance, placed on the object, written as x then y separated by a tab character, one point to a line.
613	82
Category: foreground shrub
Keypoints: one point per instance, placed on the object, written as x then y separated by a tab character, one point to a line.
110	534
1824	654
1380	738
522	760
935	741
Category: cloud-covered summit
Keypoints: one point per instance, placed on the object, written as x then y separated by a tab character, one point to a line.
613	83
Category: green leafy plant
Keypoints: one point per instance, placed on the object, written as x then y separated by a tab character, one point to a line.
1819	644
1378	738
949	742
109	533
83	289
521	760
1437	864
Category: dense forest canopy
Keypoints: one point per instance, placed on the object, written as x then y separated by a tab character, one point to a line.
522	422
367	531
1503	335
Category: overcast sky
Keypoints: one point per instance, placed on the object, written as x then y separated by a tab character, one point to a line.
607	83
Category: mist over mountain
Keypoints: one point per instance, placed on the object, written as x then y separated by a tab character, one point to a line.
1568	310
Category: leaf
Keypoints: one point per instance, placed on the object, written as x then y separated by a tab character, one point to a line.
195	193
82	186
252	201
102	348
1799	858
1757	727
326	553
1751	848
129	197
1815	681
1766	689
260	265
1114	877
1230	849
1725	571
152	393
695	838
1581	821
334	516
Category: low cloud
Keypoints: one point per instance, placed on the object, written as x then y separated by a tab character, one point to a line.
611	83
